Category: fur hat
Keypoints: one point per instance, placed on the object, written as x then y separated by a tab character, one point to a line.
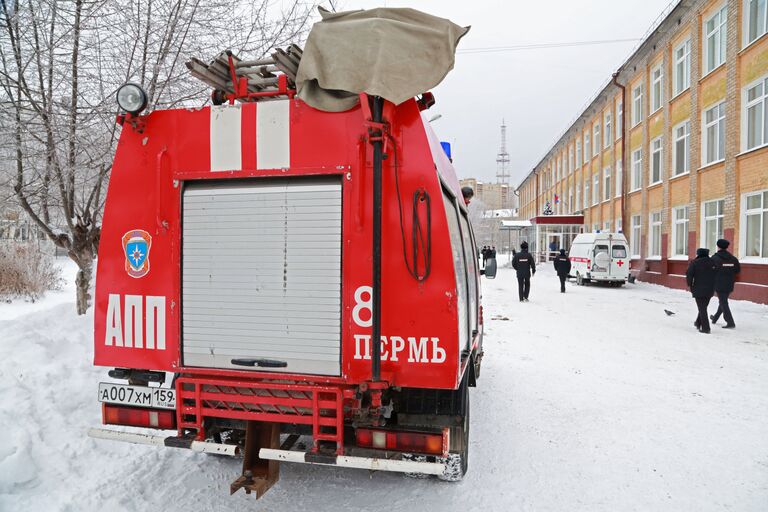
702	252
524	245
723	243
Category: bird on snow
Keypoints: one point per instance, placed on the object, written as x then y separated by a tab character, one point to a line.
668	312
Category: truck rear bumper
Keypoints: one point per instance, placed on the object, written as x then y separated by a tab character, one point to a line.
346	461
168	441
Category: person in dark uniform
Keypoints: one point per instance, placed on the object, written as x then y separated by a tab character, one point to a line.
525	266
484	252
563	268
492	252
727	266
701	281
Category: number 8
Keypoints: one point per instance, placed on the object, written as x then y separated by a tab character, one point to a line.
361	304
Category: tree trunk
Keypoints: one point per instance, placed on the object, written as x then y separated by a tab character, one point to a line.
83	284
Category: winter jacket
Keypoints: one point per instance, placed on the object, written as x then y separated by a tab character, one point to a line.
524	264
701	276
727	266
562	265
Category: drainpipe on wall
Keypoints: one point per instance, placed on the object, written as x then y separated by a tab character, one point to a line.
623	153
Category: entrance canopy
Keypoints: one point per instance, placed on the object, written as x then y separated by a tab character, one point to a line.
548	234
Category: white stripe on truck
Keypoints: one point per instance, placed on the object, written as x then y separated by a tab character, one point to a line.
226	135
273	135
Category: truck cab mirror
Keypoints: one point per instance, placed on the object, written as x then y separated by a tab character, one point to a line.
490	268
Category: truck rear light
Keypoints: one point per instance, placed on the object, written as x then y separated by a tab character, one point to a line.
412	442
137	417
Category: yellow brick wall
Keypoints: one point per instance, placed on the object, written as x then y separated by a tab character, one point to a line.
712	182
655	198
679	191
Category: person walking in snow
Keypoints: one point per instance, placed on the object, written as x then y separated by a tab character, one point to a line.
525	266
701	281
563	268
727	266
484	252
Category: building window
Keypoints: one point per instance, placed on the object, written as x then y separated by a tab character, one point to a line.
606	184
755	220
596	188
657	88
587	147
657	160
654	243
680	231
682	69
619	118
715	35
756	105
607	134
754	19
713	146
634	240
577	205
597	139
637	169
607	226
570	159
637	105
712	223
619	172
619	227
586	193
569	206
578	153
595	227
681	148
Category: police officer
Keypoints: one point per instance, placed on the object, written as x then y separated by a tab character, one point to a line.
727	266
563	268
492	252
701	281
526	267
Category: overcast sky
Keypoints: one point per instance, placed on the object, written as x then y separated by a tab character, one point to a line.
538	92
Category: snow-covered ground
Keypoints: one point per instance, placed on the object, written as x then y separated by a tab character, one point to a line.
593	400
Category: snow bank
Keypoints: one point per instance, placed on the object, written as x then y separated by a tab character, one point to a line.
592	400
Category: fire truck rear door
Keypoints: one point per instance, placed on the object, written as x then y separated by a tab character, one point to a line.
261	275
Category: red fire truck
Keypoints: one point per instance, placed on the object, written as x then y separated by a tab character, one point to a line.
288	284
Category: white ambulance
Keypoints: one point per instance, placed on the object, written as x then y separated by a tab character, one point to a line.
600	257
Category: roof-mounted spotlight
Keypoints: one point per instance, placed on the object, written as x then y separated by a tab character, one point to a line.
131	98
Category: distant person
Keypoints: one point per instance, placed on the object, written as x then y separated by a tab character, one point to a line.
563	268
701	281
726	266
484	253
493	252
468	194
525	266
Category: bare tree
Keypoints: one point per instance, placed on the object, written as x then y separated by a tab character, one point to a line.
61	62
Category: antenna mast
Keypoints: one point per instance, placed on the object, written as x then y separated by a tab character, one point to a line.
502	158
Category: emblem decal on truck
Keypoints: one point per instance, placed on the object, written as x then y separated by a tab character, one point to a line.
136	246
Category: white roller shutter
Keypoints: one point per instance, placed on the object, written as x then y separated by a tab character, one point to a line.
261	274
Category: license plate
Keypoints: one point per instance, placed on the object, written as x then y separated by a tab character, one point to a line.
137	396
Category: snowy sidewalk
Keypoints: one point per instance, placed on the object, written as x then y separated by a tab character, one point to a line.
593	400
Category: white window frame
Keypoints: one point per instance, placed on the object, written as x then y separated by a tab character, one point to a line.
757	103
607	184
718	35
596	188
746	11
619	227
619	118
578	153
577	204
681	84
678	220
607	226
762	212
686	137
637	170
637	104
718	218
654	235
657	88
571	166
657	147
636	227
586	198
718	124
587	147
607	125
596	139
619	178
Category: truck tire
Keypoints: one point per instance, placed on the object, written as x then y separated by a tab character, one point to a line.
457	463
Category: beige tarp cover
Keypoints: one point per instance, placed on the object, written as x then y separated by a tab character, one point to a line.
392	53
